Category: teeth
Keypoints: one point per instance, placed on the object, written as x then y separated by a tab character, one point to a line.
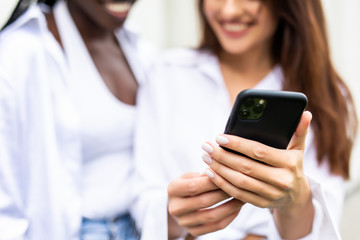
234	27
119	7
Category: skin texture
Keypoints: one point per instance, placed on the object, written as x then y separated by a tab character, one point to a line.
245	59
96	27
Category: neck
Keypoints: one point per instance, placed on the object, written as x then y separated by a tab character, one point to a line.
246	66
244	71
87	27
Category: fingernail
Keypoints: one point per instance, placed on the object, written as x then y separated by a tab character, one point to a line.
207	148
222	140
209	173
207	159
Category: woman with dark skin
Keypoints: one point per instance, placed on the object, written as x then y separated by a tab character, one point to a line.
85	66
97	23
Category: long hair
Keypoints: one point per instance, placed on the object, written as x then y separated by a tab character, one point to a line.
301	47
48	2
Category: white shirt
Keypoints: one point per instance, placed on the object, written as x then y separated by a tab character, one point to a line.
40	142
107	124
185	104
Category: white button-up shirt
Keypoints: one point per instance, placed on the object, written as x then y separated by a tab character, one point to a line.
184	104
40	142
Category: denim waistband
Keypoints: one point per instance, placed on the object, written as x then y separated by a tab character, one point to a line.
119	228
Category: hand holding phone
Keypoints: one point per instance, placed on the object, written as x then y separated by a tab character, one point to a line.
276	180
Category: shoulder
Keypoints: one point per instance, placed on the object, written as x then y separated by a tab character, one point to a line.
21	42
23	35
186	64
179	68
185	57
136	48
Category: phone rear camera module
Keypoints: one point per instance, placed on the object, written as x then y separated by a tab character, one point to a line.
252	108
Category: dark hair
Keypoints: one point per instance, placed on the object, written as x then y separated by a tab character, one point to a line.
301	47
48	2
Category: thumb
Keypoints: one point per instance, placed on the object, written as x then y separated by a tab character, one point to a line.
298	139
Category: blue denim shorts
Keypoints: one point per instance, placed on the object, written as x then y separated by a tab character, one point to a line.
121	228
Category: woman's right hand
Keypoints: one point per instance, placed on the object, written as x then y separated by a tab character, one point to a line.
191	206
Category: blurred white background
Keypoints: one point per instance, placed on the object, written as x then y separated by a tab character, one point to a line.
173	23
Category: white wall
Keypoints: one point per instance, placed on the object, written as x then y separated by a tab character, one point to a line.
167	23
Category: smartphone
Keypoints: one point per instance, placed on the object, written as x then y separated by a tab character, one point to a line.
266	116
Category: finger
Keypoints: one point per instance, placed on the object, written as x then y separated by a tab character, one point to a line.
238	193
241	164
210	215
246	182
252	149
254	237
190	175
278	177
186	186
181	206
212	227
298	139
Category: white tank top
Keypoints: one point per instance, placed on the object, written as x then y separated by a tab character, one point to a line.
107	128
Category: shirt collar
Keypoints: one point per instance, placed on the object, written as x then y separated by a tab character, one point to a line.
32	15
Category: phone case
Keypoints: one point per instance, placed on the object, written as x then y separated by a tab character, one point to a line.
266	116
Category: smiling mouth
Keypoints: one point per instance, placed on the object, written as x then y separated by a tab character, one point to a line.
235	27
118	9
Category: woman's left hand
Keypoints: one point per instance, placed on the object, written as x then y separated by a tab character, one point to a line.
276	180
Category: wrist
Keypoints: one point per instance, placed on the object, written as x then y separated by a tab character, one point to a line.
295	221
301	202
175	231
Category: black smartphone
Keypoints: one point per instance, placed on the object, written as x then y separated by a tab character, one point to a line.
266	116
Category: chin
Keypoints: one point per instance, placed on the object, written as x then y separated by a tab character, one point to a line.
234	51
113	25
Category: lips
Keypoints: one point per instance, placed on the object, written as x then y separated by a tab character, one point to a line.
118	9
235	29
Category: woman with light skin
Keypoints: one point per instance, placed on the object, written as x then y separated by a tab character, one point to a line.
298	193
69	76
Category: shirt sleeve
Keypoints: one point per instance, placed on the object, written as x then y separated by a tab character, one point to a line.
149	196
323	224
327	197
13	223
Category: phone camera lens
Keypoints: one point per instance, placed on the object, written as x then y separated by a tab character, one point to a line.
244	113
258	108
